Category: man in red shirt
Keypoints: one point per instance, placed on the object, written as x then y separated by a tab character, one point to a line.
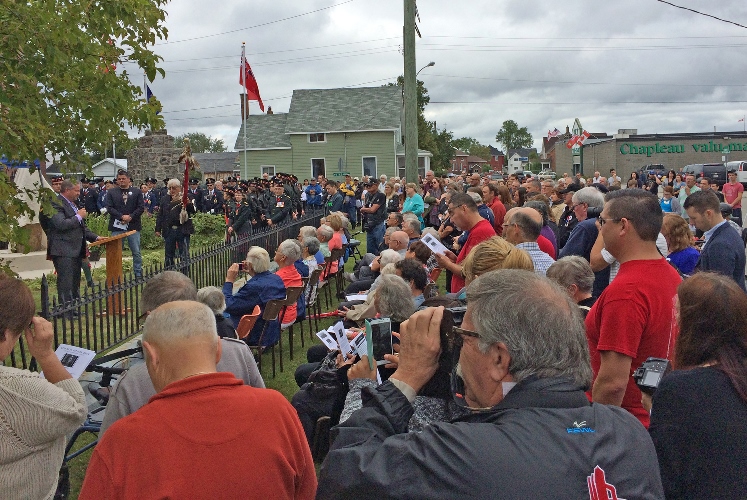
633	319
204	434
492	199
733	191
464	214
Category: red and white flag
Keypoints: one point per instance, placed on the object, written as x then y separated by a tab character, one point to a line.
553	133
246	78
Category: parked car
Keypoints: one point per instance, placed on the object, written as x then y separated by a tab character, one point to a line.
529	173
714	172
546	174
656	169
741	168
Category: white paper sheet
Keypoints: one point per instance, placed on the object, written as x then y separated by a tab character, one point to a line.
433	243
74	359
357	296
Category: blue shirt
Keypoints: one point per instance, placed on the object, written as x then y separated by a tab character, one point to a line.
258	291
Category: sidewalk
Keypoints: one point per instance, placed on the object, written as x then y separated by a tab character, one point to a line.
34	265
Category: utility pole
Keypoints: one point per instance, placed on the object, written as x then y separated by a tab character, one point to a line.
411	95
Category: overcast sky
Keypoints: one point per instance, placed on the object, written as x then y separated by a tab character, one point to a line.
636	64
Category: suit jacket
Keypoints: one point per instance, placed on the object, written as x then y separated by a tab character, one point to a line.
116	207
212	202
724	253
66	234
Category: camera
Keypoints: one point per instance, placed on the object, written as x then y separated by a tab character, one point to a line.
439	386
592	212
649	374
241	267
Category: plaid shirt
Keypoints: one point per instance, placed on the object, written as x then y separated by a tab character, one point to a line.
539	258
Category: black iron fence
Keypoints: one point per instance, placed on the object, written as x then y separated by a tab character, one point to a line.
105	316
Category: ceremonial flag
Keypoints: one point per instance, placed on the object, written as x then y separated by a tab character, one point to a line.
148	95
554	133
246	78
582	138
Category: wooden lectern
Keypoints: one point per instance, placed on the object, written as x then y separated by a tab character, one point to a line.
114	274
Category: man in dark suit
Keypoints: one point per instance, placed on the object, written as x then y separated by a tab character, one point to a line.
212	201
67	233
125	207
723	251
195	194
89	197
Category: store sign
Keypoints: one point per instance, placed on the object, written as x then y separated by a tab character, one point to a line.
707	147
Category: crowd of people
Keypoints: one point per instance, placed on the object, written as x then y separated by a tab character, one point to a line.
515	380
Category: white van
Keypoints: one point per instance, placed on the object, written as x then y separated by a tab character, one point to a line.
741	168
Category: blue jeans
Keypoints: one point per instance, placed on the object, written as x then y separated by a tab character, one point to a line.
374	238
133	241
736	216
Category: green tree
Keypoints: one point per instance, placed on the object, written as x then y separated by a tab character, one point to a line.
444	150
513	137
473	147
123	143
63	88
200	143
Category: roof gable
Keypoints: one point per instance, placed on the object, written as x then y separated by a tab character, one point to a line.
264	132
221	162
344	110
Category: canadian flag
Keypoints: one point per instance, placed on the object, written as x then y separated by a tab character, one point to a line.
578	140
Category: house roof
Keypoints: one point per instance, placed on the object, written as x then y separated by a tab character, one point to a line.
495	151
119	163
476	159
522	152
264	132
345	110
459	152
221	162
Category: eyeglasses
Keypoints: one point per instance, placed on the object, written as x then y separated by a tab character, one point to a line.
602	221
456	339
577	205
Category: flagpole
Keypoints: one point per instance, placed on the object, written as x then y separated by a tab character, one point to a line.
246	100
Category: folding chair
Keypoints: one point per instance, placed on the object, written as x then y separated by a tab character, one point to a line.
292	293
247	322
272	309
312	301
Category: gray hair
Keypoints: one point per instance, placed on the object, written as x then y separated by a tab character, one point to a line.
326	231
432	231
307	231
390	268
67	185
168	286
413	224
572	270
312	244
589	195
389	256
476	197
290	249
259	259
390	230
394	298
212	296
174	183
543	331
180	320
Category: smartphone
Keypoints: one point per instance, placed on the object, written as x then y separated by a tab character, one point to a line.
381	339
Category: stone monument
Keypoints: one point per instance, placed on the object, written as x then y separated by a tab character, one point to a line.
155	156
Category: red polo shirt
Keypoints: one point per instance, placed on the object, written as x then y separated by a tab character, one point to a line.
477	234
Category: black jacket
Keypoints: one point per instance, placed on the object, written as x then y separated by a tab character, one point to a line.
544	440
241	218
724	253
168	217
116	207
212	203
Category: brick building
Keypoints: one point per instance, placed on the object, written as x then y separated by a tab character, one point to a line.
627	152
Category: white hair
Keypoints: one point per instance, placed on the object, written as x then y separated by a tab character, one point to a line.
389	256
213	297
291	249
259	259
174	183
181	320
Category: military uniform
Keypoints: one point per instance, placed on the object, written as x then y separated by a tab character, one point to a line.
212	202
280	209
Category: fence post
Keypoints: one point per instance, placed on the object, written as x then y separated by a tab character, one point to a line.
45	297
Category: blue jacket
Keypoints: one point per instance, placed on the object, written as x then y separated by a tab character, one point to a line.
580	243
724	253
303	270
315	199
259	290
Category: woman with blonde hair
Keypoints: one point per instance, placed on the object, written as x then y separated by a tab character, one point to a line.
494	253
682	254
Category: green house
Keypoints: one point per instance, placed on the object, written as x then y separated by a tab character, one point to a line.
328	132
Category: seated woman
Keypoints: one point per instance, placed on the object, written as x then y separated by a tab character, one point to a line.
285	257
310	247
493	253
682	253
339	239
36	413
212	296
699	414
262	287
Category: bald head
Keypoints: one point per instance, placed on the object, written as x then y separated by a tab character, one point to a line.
525	224
532	213
398	240
180	339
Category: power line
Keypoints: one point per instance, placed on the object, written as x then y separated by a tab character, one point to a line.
515	48
703	14
587	103
256	25
589	83
575	38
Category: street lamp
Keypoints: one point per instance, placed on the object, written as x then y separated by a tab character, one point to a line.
426	66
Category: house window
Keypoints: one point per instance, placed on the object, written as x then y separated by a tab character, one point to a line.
267	169
421	169
369	166
318	167
317	138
